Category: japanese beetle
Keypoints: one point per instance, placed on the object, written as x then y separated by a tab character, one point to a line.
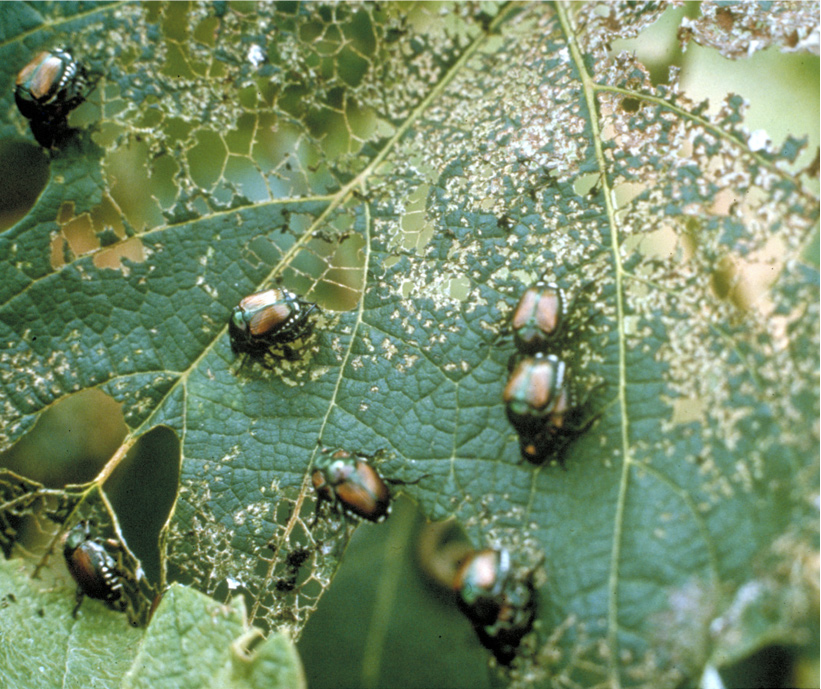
267	319
542	407
539	317
47	89
480	581
501	607
352	485
94	568
537	393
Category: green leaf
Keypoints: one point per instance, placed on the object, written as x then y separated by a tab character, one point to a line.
412	169
210	645
207	644
44	646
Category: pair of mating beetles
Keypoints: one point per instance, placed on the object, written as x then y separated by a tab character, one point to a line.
539	397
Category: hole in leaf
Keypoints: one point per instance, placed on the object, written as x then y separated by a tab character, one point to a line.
812	254
459	288
328	272
771	666
142	490
416	229
131	187
24	173
746	281
630	104
688	411
791	79
242	173
279	149
352	67
207	158
657	46
89	232
361	30
585	183
206	31
71	441
341	285
666	244
163	170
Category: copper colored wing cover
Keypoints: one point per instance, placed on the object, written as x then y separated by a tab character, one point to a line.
85	574
269	319
46	77
366	495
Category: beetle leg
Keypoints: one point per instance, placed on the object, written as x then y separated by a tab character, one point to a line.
577	425
560	452
402	482
319	501
78	600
